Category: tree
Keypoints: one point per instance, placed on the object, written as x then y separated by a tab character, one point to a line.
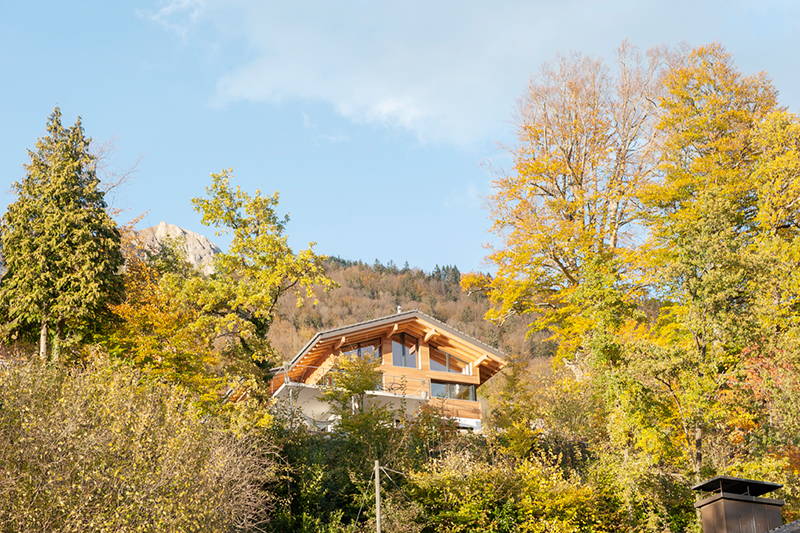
238	301
777	219
60	246
702	217
682	342
586	147
155	331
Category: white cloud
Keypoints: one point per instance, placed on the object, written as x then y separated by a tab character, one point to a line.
446	71
176	15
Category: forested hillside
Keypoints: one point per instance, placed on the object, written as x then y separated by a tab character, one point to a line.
368	291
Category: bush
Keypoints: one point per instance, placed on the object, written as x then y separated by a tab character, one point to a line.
102	449
461	493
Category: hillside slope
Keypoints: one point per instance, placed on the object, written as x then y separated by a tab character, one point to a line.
369	291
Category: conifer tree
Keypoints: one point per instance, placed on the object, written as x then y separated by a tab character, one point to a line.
60	245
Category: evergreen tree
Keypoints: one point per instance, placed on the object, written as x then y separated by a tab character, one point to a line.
60	245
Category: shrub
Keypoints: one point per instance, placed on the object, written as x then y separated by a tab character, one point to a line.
461	493
103	449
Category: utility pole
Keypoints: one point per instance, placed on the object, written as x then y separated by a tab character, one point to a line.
377	496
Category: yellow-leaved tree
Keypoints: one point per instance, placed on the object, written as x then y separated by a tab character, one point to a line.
239	300
671	288
156	330
567	213
201	330
702	219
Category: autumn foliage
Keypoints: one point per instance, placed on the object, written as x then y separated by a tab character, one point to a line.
645	285
650	228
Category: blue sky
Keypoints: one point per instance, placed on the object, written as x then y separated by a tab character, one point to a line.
382	124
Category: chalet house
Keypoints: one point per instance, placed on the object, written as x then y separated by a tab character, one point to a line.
423	360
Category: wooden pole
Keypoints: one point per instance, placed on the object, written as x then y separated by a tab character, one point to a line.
43	341
377	496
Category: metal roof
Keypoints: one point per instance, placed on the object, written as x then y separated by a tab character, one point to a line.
737	485
391	319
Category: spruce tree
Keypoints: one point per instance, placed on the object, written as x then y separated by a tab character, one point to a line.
60	245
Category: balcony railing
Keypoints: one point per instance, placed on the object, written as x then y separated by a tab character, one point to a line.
399	385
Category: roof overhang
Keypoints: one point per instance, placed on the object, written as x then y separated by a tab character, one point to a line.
486	358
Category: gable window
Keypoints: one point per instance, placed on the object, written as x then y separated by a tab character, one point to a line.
453	391
444	362
404	351
363	349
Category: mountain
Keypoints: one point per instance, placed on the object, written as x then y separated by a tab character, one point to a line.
199	250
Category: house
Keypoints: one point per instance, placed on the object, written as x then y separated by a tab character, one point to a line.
423	360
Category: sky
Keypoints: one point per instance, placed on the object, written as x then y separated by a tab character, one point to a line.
381	124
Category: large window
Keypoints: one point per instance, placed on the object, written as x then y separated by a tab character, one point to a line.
404	350
453	391
363	349
444	362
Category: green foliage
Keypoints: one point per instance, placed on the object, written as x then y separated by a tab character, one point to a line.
330	474
461	492
103	449
60	246
352	377
238	301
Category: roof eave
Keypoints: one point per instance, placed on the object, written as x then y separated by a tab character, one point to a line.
492	352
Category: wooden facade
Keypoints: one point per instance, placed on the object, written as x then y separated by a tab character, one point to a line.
438	364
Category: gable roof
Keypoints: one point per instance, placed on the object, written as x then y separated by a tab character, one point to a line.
391	319
419	323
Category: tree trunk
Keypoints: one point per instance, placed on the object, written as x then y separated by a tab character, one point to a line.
698	449
56	342
43	341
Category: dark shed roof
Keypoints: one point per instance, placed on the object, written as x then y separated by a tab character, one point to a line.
736	485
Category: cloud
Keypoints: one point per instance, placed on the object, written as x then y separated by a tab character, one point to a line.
446	71
177	16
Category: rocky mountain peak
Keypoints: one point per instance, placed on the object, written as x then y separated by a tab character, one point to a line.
199	250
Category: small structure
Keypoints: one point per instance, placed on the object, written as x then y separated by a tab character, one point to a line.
422	360
736	505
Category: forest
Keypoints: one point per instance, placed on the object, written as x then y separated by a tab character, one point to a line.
366	291
645	287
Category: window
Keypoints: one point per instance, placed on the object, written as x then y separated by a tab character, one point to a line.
404	351
363	349
453	391
444	362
